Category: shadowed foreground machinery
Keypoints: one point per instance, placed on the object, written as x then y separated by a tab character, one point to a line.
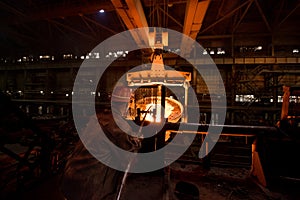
30	149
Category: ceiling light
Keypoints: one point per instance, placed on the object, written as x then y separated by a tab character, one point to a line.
101	11
295	50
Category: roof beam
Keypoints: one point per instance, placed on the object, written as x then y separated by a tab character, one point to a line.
170	16
242	17
11	9
55	11
62	9
133	16
263	15
226	16
289	14
194	15
98	24
72	29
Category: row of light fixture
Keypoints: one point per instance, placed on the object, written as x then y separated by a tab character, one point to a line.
251	98
124	53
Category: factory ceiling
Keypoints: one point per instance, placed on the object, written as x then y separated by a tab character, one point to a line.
34	27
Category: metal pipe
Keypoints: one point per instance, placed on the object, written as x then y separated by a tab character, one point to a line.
185	118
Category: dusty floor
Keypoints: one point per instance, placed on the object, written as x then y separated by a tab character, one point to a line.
197	183
214	184
228	183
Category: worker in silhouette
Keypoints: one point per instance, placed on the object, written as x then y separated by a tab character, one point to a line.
87	178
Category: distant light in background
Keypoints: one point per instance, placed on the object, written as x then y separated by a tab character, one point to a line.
67	56
258	48
119	53
220	51
295	50
101	11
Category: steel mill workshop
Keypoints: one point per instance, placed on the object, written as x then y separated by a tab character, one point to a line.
149	99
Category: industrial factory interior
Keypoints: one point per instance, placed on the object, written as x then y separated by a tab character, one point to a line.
150	99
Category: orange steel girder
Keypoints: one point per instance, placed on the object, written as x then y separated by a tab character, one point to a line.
133	16
194	15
